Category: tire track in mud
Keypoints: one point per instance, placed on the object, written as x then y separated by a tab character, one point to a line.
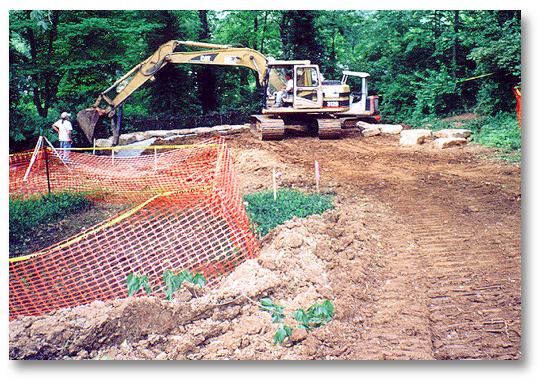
469	246
456	294
474	295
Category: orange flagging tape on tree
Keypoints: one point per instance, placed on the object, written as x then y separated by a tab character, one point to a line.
185	213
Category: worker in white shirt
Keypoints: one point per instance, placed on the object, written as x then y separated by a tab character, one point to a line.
288	89
64	129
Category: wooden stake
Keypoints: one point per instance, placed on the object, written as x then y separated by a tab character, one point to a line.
274	182
317	176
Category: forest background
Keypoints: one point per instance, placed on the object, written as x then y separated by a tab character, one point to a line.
424	64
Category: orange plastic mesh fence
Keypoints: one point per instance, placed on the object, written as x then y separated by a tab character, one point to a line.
186	213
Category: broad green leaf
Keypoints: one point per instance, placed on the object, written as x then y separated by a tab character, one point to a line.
145	283
199	279
266	302
279	336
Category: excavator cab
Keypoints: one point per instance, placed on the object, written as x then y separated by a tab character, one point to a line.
306	82
276	79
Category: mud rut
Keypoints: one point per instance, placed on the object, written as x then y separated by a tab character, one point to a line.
434	271
452	281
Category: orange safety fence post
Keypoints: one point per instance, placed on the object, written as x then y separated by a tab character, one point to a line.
517	92
184	212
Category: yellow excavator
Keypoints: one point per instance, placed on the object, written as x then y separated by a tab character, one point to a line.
304	101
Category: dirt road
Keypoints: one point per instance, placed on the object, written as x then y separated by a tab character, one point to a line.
452	229
421	259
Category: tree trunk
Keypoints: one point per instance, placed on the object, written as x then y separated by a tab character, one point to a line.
455	47
206	78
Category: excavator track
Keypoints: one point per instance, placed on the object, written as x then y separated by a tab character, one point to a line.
267	127
329	128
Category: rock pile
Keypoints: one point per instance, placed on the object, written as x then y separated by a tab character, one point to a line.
133	137
445	138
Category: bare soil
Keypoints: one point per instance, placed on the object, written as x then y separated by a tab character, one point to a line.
421	259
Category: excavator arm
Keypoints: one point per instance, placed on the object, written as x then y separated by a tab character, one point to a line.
107	105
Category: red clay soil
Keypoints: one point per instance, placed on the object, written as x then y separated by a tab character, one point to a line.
421	259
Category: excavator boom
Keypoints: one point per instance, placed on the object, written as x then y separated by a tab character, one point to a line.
216	55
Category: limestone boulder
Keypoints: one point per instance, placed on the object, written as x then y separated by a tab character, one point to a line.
160	133
129	138
427	133
453	133
391	129
448	142
410	137
369	132
103	143
385	129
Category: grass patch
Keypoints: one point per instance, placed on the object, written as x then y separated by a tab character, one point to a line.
27	216
501	131
266	214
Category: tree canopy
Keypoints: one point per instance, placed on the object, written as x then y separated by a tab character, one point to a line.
422	63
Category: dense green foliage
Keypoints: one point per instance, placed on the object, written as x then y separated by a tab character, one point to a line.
423	63
267	213
29	215
501	130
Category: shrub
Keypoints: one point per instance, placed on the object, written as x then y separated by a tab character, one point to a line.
266	214
27	215
501	131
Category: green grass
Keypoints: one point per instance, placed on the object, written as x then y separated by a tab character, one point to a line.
501	131
266	214
27	215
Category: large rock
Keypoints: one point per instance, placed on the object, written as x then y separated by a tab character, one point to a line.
160	133
129	138
391	129
103	143
414	136
385	129
453	133
445	142
369	132
427	133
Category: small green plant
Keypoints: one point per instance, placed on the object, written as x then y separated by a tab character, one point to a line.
173	281
277	317
313	317
266	213
135	282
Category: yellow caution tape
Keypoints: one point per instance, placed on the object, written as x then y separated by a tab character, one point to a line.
114	221
475	77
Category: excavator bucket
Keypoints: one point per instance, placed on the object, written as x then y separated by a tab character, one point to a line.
87	119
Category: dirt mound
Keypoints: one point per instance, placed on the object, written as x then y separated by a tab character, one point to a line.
293	270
